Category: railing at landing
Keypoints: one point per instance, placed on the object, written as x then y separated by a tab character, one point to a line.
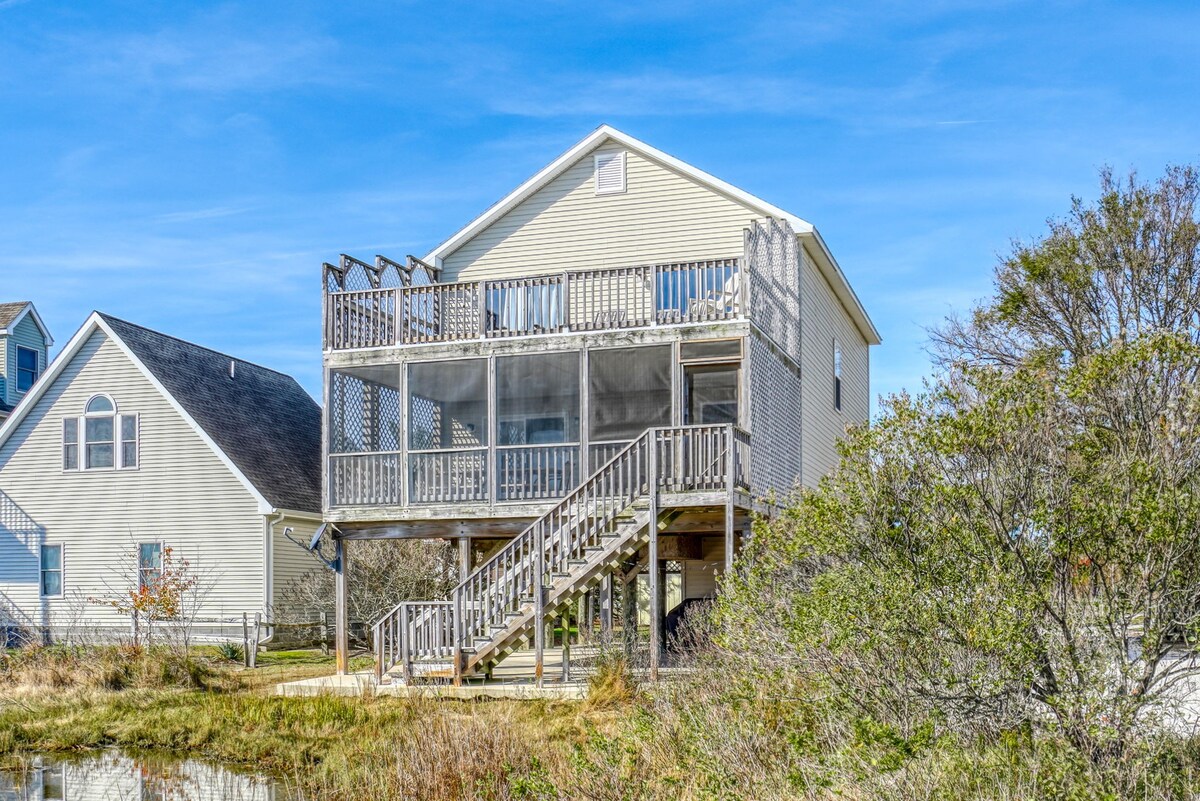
574	300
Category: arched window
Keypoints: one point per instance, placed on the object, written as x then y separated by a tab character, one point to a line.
100	404
105	439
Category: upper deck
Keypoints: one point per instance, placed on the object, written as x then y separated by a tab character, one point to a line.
388	304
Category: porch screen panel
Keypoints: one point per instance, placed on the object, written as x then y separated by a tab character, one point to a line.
537	399
447	405
537	425
364	411
630	391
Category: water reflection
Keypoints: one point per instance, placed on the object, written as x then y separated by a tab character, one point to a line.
114	776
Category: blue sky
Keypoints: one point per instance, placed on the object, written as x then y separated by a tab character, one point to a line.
188	167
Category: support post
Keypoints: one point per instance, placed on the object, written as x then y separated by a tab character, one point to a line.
341	610
730	468
464	558
565	621
655	597
629	612
606	604
539	606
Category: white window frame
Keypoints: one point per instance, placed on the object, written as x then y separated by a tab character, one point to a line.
118	442
138	557
37	368
62	570
74	444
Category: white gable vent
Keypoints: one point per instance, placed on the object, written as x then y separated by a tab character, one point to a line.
610	173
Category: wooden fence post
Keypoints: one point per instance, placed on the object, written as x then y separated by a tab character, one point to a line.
254	640
245	640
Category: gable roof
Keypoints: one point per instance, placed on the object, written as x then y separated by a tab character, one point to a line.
13	313
260	422
804	230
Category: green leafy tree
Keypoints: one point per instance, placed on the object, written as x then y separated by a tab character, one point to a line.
1018	545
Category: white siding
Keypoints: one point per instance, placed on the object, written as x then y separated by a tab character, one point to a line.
661	217
288	560
181	494
823	320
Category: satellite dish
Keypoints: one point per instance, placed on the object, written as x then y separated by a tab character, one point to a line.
316	540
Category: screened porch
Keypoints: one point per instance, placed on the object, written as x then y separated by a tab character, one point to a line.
514	429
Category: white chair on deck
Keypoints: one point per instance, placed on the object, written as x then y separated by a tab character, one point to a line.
718	303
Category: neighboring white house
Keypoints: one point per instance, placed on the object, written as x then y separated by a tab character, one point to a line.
134	442
24	352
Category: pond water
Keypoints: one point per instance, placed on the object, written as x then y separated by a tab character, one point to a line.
116	776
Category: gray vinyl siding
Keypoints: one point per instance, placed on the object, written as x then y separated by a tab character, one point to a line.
25	334
181	494
823	320
288	560
661	217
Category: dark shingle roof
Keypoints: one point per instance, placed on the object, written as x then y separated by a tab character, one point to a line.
264	422
9	312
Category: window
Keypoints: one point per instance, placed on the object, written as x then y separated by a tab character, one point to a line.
27	368
837	376
610	173
109	440
712	395
129	440
70	444
149	563
98	442
52	571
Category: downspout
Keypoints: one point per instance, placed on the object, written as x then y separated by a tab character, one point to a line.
269	568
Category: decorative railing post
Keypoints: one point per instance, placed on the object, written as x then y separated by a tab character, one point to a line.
539	604
459	634
379	651
405	645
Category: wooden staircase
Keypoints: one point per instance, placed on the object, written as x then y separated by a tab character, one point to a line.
602	523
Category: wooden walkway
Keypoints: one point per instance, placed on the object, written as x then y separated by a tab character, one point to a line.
513	678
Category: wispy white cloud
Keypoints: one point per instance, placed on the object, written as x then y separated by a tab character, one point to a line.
193	215
206	53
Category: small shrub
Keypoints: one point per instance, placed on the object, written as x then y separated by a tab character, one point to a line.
230	651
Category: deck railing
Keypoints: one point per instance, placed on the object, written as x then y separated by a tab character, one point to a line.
575	300
679	459
448	476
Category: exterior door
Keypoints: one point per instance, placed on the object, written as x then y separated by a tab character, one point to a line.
710	394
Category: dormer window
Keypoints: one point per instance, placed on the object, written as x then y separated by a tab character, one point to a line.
610	173
105	439
28	368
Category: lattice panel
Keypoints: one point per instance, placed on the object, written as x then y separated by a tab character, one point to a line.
364	416
774	278
775	425
425	422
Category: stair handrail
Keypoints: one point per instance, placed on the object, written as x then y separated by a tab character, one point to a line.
553	539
